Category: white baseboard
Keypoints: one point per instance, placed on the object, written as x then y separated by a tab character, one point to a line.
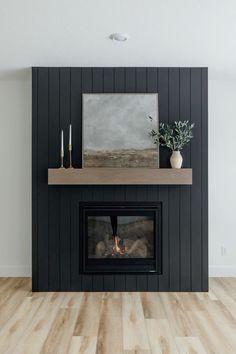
222	271
25	271
15	271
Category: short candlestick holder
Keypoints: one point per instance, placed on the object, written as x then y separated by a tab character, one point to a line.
70	156
62	161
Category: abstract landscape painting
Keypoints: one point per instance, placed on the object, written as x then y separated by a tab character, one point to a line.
116	130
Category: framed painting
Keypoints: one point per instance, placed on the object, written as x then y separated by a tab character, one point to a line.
116	129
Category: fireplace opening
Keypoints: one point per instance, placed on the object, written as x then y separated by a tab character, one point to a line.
120	237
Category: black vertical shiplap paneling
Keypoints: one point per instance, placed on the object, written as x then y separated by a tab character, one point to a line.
98	280
204	192
185	211
97	87
119	196
57	101
141	80
76	120
87	280
54	193
87	193
196	192
76	279
76	115
130	80
34	179
117	192
163	90
110	78
129	86
141	86
173	203
42	139
152	191
65	200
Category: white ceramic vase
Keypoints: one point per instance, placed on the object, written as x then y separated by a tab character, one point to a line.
176	159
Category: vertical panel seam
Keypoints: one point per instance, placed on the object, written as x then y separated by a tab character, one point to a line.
48	199
180	196
60	189
191	281
168	71
70	194
158	189
201	191
37	182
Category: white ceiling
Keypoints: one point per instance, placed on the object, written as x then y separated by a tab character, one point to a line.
75	33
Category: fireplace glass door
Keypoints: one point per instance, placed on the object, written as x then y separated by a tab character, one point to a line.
120	237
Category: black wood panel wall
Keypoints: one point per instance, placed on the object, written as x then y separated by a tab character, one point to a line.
56	104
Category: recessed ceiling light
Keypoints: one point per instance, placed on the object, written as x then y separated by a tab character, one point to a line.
120	37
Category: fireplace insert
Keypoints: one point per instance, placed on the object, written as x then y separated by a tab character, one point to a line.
120	237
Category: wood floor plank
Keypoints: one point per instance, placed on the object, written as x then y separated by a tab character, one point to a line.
60	335
219	312
189	345
152	306
12	297
229	285
6	284
36	334
223	294
110	336
18	324
89	315
210	334
190	301
180	322
136	351
134	328
83	345
126	323
160	337
228	332
72	300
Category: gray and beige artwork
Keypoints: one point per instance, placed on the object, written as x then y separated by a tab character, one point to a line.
116	130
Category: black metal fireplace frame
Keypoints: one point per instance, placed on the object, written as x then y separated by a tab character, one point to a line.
122	266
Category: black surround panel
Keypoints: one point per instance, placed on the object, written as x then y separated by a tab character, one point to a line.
56	228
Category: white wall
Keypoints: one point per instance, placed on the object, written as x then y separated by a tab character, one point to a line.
222	177
15	176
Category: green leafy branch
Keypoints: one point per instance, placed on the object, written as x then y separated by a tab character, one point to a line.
173	136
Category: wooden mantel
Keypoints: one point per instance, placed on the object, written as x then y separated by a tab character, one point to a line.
112	176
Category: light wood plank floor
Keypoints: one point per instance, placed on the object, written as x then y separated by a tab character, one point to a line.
113	323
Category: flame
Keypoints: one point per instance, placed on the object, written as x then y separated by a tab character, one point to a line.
116	247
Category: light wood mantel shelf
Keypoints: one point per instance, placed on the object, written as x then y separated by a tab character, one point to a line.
127	176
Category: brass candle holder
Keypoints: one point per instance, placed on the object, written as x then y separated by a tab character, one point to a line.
70	155
62	159
62	149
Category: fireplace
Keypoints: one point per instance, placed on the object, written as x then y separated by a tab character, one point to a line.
120	237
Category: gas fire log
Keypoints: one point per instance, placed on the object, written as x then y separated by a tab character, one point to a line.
100	249
137	249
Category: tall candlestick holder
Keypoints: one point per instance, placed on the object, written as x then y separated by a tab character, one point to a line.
70	155
62	149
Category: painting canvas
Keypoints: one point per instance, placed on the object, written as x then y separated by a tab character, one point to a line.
116	130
